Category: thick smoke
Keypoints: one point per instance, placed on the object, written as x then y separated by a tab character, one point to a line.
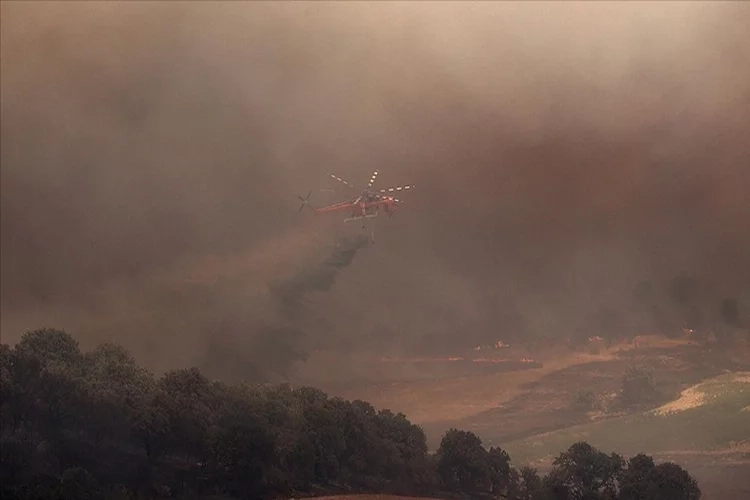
263	352
564	153
292	293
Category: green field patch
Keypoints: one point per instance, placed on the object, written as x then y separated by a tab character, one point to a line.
717	422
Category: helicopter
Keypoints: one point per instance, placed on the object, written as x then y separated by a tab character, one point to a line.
365	206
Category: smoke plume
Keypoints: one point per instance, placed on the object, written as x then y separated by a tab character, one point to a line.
292	293
563	153
262	352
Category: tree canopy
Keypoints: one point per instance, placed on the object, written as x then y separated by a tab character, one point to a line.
92	425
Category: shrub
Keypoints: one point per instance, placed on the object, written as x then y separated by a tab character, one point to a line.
586	400
638	386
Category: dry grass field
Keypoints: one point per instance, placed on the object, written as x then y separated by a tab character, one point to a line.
698	422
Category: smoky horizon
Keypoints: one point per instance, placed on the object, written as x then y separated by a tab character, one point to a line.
569	159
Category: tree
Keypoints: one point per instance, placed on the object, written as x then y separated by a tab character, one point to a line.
634	479
241	444
188	410
502	481
45	372
638	386
584	473
78	483
643	480
51	395
363	454
323	437
40	487
462	462
9	391
585	400
671	482
16	460
405	444
119	391
93	415
531	486
49	346
151	425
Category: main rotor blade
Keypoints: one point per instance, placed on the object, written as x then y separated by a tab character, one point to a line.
399	188
342	181
372	179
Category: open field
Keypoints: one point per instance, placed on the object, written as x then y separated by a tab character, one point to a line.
706	431
713	421
464	395
504	406
700	421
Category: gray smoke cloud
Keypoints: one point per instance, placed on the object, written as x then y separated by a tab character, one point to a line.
273	349
292	293
563	153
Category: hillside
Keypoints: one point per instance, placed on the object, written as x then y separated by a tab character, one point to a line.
72	419
710	417
505	405
700	420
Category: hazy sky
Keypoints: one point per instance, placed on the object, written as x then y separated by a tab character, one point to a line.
151	155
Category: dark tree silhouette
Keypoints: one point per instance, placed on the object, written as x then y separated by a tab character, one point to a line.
638	386
97	425
462	462
583	472
644	480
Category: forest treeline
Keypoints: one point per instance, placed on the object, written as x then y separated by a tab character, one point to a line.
90	425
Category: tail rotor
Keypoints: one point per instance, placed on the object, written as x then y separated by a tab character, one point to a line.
305	201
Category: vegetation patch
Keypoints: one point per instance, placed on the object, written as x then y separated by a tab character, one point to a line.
715	424
689	398
586	400
97	425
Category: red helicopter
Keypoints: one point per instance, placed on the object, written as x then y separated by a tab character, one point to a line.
364	206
